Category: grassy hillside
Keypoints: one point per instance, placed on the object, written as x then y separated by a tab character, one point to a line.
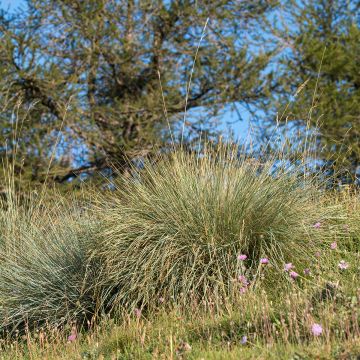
193	256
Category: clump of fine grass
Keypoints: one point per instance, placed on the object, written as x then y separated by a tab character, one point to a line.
174	230
45	278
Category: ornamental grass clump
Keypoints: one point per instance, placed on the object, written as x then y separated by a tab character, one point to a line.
45	276
174	229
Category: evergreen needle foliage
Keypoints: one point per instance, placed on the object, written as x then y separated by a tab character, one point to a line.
89	71
175	229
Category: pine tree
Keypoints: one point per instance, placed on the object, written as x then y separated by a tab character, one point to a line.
99	72
320	65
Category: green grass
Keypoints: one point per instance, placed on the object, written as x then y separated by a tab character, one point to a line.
280	330
45	275
150	270
174	231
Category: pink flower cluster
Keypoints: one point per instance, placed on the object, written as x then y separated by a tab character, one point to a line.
244	284
293	274
316	329
343	265
72	337
137	313
288	266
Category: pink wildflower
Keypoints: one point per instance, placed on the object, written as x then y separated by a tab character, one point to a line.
243	280
244	284
316	329
244	340
242	257
243	290
293	275
288	266
333	245
306	271
264	261
343	265
317	225
161	300
72	337
137	313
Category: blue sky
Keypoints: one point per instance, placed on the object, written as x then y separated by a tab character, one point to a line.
10	4
239	128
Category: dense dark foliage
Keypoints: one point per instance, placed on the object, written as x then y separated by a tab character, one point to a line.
99	72
106	80
319	78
